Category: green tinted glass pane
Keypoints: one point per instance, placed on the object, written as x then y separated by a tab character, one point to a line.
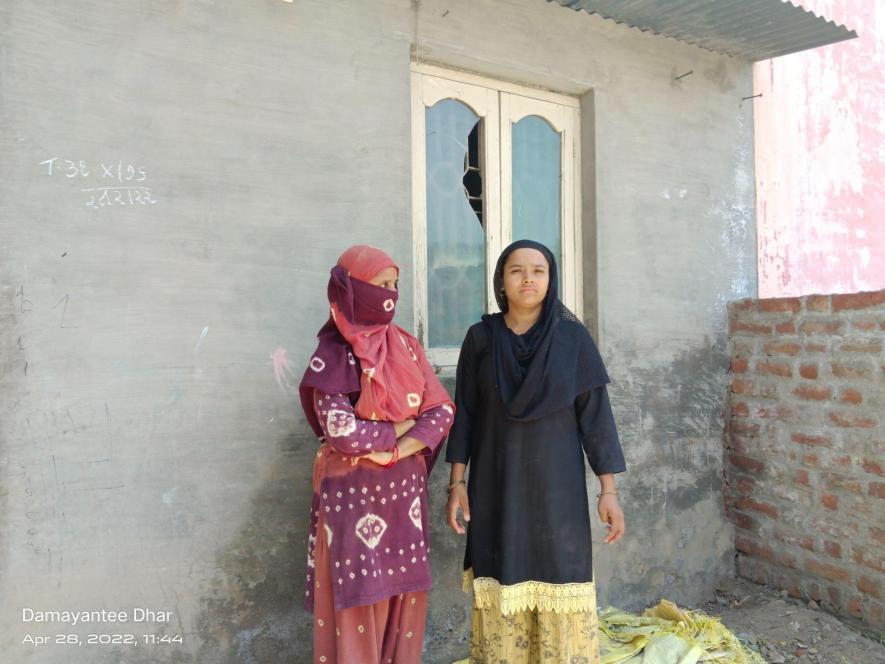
456	274
536	181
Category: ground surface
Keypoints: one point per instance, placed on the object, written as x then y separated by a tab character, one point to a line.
783	629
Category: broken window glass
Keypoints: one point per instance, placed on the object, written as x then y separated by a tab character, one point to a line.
456	266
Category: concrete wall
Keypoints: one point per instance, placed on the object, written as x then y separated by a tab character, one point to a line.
806	485
149	456
820	135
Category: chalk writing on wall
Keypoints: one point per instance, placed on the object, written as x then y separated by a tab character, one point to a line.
117	183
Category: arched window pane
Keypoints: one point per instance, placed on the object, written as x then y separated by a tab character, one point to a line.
456	281
536	181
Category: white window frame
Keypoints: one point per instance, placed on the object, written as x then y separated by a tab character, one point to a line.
501	104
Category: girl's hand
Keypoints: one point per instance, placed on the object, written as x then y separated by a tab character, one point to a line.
611	514
458	501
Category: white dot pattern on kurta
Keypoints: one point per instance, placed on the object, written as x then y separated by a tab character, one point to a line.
340	504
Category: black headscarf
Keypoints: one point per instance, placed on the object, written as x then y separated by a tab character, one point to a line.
555	361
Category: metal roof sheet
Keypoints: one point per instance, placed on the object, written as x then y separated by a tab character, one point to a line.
750	29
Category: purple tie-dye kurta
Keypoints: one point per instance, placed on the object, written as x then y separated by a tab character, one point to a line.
374	519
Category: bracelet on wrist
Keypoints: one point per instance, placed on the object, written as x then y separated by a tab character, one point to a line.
605	493
456	484
394	458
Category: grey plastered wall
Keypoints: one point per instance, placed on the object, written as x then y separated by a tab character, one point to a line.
149	456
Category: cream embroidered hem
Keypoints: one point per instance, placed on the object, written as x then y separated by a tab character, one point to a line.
530	595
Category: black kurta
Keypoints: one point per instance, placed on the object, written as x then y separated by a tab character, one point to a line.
530	519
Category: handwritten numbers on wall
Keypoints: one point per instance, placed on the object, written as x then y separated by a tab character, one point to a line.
118	183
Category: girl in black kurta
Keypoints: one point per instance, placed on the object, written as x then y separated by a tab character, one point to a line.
529	403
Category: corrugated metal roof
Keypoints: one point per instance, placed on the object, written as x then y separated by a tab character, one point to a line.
751	29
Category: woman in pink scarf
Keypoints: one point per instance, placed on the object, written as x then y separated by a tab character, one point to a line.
381	413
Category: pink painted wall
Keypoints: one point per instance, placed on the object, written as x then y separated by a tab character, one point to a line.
820	160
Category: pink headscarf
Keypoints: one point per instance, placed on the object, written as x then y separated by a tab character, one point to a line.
397	381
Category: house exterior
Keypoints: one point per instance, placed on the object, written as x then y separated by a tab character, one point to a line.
820	127
179	179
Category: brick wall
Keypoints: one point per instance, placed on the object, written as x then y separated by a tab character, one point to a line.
805	448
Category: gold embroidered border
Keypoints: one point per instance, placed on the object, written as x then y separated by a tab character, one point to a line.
530	595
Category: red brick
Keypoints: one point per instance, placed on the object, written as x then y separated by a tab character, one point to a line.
780	304
739	386
835	595
745	522
739	365
740	409
877	534
862	557
746	428
875	614
787	538
844	461
813	591
745	304
821	327
746	463
740	444
750	568
738	327
744	503
852	421
813	392
815	348
844	371
840	483
877	489
865	324
859	347
848	395
869	586
789	582
810	460
855	606
781	348
833	549
827	571
801	477
829	501
817	303
774	369
787	327
748	546
808	371
789	560
858	300
746	485
873	467
777	412
817	441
